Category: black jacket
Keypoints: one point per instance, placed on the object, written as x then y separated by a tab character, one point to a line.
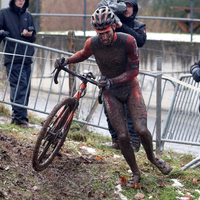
14	20
132	26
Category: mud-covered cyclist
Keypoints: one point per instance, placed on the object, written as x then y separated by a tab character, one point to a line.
117	57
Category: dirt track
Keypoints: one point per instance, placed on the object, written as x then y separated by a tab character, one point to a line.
67	178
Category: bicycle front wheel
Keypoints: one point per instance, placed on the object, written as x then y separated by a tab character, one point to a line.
53	133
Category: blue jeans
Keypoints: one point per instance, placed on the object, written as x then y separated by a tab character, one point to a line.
19	96
134	138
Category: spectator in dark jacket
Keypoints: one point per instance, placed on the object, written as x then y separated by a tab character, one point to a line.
195	71
126	22
17	23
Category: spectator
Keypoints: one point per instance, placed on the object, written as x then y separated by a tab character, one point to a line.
126	11
17	23
195	71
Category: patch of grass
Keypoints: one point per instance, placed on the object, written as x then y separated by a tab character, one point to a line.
92	138
34	119
4	111
18	132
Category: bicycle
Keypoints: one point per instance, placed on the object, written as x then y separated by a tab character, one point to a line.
57	125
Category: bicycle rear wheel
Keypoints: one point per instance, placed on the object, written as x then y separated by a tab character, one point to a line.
53	134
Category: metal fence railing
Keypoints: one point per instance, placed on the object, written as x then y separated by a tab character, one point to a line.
183	124
45	94
190	20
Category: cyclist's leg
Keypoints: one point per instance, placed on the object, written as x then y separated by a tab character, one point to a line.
135	139
137	109
113	133
117	116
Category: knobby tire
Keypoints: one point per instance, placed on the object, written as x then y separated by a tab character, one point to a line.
47	145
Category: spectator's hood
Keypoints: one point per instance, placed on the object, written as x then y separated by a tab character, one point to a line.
134	3
15	8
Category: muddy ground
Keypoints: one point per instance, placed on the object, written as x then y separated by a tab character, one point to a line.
80	174
68	177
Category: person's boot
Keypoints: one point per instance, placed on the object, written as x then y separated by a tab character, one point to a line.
135	145
134	181
115	144
20	124
162	165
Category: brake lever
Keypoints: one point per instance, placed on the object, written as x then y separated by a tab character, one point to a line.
58	70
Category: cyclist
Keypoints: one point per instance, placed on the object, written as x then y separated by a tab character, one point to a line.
125	15
117	57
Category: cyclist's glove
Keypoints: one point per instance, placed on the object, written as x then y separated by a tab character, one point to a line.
105	83
3	33
58	63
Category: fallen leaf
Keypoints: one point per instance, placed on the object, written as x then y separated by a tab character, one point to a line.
139	196
187	196
87	161
123	179
161	185
195	180
99	158
136	186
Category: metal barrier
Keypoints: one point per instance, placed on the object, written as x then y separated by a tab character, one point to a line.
183	123
45	94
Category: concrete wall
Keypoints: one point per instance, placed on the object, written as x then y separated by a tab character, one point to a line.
177	56
4	3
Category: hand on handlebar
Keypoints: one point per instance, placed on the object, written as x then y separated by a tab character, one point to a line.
60	63
105	83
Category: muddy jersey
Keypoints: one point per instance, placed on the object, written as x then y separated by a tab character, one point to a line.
113	60
119	61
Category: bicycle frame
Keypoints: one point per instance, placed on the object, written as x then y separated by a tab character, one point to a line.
77	95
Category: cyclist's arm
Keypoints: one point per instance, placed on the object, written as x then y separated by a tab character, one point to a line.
132	63
82	55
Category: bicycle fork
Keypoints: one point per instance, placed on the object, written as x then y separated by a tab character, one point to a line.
77	96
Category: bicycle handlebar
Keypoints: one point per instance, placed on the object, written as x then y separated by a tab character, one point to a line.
87	78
